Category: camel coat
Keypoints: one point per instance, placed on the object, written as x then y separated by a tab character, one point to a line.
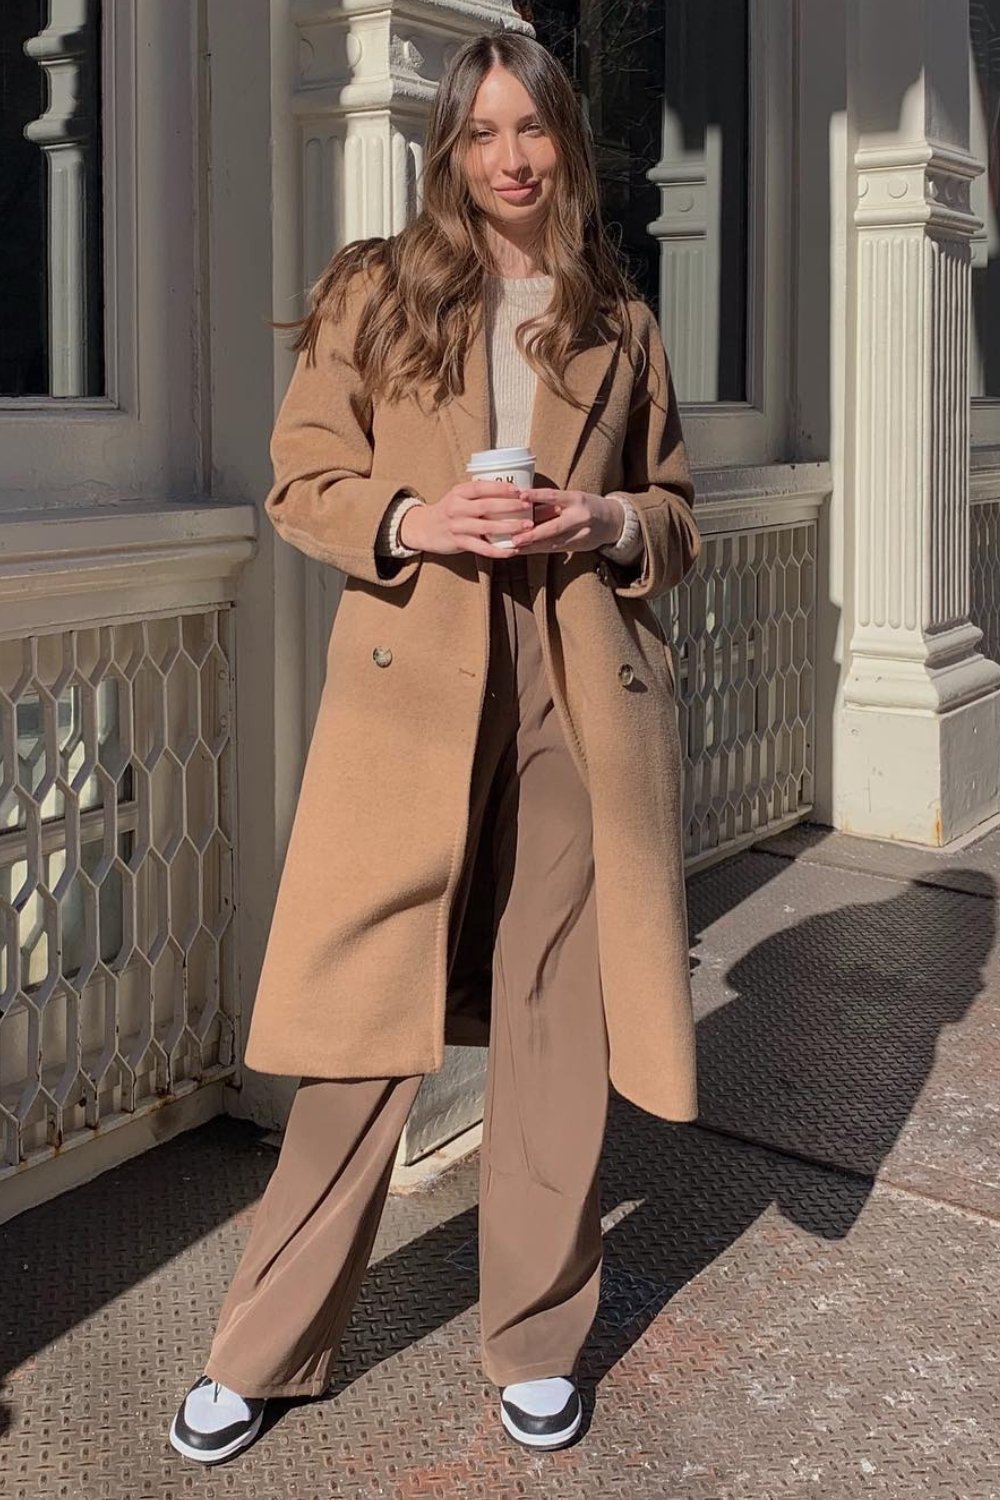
355	981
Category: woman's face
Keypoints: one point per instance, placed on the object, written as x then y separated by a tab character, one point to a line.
511	160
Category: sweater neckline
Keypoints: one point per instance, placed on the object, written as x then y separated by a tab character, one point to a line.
519	280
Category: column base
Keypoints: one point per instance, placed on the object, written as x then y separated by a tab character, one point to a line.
920	776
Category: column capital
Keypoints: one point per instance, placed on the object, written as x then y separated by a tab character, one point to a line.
920	184
358	55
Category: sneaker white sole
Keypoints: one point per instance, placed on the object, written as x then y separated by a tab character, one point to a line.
540	1439
217	1455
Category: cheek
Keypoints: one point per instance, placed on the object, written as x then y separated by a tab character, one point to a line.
473	169
546	158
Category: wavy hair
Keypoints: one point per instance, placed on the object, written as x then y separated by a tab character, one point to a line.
426	294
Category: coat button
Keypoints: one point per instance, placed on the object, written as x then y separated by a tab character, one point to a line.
626	676
381	656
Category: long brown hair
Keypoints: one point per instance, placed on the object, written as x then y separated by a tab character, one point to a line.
427	282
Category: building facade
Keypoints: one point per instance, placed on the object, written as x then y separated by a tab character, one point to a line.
807	192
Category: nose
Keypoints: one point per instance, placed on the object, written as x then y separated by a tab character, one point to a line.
515	156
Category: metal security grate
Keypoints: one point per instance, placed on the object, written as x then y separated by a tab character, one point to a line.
116	875
984	555
743	626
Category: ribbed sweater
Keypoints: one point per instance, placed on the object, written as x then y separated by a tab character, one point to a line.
510	301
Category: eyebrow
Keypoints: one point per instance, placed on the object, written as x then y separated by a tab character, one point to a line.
476	120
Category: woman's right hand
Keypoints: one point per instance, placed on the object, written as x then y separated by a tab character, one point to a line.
466	518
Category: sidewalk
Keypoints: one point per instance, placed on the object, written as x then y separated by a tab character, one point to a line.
801	1290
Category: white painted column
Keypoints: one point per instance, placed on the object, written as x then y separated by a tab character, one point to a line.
921	704
66	133
365	76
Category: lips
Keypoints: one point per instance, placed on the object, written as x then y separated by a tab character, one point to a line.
523	190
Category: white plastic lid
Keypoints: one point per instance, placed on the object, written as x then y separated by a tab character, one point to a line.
495	458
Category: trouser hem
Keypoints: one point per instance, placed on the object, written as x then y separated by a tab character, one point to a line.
258	1392
542	1371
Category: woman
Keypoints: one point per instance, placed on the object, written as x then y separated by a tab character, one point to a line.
487	845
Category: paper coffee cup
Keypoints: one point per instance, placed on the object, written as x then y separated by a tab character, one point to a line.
509	466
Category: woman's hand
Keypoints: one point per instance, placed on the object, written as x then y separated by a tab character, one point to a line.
466	518
570	521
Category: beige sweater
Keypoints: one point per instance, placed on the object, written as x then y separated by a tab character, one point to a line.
510	301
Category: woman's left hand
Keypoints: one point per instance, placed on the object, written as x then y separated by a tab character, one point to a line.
570	521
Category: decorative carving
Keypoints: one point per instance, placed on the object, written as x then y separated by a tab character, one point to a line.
920	184
405	55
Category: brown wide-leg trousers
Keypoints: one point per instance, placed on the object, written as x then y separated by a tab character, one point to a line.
546	1088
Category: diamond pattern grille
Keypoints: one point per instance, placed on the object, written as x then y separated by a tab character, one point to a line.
743	628
116	875
984	553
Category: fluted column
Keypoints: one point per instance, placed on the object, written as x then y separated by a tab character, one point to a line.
67	132
921	703
365	77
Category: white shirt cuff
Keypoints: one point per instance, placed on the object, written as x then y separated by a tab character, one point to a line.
387	542
630	545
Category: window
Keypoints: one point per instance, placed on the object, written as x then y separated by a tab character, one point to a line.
103	154
689	105
984	135
51	291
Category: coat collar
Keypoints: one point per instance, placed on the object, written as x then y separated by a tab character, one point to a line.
557	428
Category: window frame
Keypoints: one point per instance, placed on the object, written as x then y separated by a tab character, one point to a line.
755	431
137	439
984	414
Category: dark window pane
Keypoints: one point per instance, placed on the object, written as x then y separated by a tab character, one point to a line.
615	56
51	304
23	196
665	85
984	20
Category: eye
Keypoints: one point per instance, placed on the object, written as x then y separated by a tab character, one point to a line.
478	135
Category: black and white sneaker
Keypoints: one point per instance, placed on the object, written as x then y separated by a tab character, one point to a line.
541	1413
213	1423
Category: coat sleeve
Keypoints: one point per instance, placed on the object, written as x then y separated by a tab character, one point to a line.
657	476
324	500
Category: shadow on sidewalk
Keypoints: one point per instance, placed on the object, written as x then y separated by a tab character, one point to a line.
64	1260
835	1022
822	1053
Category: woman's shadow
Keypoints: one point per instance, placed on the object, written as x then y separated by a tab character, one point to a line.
819	1056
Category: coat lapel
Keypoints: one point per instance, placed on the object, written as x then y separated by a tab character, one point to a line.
557	432
557	428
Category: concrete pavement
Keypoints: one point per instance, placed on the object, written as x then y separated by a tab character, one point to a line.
800	1290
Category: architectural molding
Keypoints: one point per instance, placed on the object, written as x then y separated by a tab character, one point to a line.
362	55
916	183
758	497
61	568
